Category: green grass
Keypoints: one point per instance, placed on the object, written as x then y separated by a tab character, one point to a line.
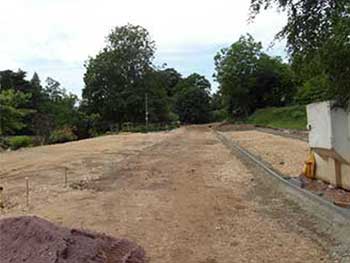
17	142
293	117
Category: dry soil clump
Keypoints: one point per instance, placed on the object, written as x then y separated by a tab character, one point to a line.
35	240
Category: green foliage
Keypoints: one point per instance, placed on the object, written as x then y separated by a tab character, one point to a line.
318	30
56	109
4	143
115	79
15	81
17	142
219	115
275	83
250	79
192	99
293	117
87	126
11	115
218	112
62	135
234	68
314	90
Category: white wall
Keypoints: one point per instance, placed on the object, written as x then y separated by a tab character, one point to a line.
320	125
340	127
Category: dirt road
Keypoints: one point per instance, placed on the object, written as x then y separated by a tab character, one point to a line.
181	195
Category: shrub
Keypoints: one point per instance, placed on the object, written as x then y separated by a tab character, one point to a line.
62	135
219	115
17	142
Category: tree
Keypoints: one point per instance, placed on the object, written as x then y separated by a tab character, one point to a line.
275	83
60	105
14	80
115	79
192	99
318	28
170	77
234	68
57	110
250	79
17	82
11	115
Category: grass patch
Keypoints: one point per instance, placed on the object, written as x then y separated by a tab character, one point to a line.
293	117
17	142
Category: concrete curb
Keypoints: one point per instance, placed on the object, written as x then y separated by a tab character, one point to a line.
330	212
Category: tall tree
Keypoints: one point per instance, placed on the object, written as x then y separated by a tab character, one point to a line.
36	91
11	114
14	80
234	68
192	99
115	79
251	79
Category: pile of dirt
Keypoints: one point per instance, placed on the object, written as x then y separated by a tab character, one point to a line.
35	240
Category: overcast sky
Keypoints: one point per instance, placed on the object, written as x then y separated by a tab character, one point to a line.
55	37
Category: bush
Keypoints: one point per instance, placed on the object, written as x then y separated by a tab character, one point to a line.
62	135
219	115
17	142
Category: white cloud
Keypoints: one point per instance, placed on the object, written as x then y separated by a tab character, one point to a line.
63	33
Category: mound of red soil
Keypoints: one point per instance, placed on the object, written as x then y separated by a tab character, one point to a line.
35	240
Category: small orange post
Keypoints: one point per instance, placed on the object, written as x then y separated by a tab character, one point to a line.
310	166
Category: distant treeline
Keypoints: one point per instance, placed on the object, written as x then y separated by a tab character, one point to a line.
122	85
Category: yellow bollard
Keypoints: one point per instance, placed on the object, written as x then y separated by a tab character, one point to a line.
310	166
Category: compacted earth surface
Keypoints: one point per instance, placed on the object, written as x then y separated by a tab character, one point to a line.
181	195
286	155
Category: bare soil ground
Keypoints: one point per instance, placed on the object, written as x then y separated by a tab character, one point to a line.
286	155
181	195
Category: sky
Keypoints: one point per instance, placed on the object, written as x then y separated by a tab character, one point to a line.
55	37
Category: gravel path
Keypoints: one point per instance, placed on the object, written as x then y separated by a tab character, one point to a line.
286	155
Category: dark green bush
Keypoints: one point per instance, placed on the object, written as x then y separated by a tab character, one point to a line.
62	135
17	142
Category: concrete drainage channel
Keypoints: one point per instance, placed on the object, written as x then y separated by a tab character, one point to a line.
337	218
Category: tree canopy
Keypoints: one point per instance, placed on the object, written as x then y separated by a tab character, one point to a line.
192	99
321	29
115	79
251	79
11	114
